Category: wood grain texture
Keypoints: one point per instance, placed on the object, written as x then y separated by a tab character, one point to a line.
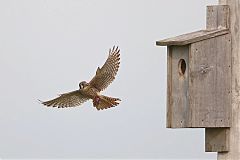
216	140
234	131
217	17
178	108
201	97
193	37
169	86
210	82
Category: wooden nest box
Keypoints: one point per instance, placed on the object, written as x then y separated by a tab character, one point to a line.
199	75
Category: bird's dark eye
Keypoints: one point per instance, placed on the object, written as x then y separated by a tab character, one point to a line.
82	85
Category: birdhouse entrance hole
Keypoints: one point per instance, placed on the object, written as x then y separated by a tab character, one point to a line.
181	67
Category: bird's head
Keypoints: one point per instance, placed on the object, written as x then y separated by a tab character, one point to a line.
82	84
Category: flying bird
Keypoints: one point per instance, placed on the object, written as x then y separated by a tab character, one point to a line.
91	90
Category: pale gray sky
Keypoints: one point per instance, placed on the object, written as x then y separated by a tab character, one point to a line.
48	46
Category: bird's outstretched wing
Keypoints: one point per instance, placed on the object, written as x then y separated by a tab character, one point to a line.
70	99
105	75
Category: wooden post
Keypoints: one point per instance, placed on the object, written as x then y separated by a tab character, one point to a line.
189	109
234	131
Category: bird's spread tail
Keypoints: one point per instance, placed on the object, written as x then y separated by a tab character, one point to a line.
103	102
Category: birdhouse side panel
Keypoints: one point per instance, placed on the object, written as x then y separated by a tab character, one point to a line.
178	104
210	82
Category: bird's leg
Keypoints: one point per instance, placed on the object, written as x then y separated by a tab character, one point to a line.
96	100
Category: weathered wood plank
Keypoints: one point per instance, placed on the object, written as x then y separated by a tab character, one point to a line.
169	86
210	82
178	111
216	139
193	37
234	131
217	17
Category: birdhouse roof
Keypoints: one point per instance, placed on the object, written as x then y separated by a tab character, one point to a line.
192	37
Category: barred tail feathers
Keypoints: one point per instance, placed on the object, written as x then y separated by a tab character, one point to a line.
103	102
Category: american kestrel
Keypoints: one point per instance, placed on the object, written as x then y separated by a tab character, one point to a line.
104	76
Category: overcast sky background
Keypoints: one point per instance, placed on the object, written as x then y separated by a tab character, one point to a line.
48	46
